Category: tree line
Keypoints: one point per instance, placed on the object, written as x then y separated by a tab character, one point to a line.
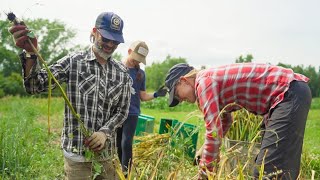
55	41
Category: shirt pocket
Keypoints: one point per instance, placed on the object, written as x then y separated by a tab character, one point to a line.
114	90
87	83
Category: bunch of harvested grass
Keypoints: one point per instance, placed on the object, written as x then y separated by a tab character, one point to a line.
156	156
149	147
245	126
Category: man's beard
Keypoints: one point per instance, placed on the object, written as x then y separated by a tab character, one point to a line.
98	49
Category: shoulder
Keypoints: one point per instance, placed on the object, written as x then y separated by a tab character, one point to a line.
73	57
120	70
81	55
142	71
119	65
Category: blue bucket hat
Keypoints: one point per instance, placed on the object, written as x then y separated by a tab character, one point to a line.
110	26
172	78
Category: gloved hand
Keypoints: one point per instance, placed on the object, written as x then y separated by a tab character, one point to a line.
202	174
198	155
21	34
96	141
162	91
205	174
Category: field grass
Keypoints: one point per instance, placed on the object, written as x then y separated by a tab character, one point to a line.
28	152
312	132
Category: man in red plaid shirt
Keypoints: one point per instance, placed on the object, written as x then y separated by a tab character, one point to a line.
277	93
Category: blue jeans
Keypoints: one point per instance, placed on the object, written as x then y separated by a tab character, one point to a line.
125	136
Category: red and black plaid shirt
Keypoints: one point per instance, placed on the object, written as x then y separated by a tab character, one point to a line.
256	87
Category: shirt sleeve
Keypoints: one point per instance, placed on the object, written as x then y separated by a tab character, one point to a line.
208	97
38	82
121	111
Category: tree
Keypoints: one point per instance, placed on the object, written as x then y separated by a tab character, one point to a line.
53	38
311	73
156	73
12	85
117	56
248	58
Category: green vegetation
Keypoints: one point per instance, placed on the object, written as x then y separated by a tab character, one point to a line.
53	36
311	152
27	152
156	73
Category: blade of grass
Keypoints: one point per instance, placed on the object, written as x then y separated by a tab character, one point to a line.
49	102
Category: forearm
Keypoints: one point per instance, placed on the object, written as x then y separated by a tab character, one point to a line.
36	79
28	63
210	155
147	97
28	66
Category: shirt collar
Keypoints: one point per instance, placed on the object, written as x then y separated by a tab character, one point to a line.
90	56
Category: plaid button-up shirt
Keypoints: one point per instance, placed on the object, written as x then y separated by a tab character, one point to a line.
256	87
100	94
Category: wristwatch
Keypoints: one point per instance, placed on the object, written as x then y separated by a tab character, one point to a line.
28	55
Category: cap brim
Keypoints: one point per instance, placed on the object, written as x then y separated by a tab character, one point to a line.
138	57
111	35
172	100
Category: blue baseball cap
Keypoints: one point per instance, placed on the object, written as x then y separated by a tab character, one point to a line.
172	78
110	26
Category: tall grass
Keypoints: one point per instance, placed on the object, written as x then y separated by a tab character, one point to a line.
245	127
26	151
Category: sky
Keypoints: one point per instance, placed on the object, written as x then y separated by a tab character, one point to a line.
204	32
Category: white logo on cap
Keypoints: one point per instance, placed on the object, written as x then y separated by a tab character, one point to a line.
115	23
143	51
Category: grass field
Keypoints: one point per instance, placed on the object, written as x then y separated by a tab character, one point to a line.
28	152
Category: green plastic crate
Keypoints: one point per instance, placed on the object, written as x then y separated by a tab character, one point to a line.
165	124
145	124
185	131
147	116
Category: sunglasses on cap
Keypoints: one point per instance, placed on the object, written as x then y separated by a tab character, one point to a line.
106	40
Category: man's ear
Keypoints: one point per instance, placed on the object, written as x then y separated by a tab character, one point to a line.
186	80
129	51
182	78
94	30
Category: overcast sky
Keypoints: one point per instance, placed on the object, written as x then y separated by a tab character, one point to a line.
205	32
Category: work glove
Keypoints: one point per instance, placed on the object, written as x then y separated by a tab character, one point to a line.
96	142
198	155
21	33
161	92
202	175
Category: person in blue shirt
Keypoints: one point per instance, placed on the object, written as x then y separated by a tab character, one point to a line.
136	54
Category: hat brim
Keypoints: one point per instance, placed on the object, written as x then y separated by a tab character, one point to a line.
111	35
172	100
138	57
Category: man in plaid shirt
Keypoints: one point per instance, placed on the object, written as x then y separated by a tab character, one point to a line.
275	92
98	87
